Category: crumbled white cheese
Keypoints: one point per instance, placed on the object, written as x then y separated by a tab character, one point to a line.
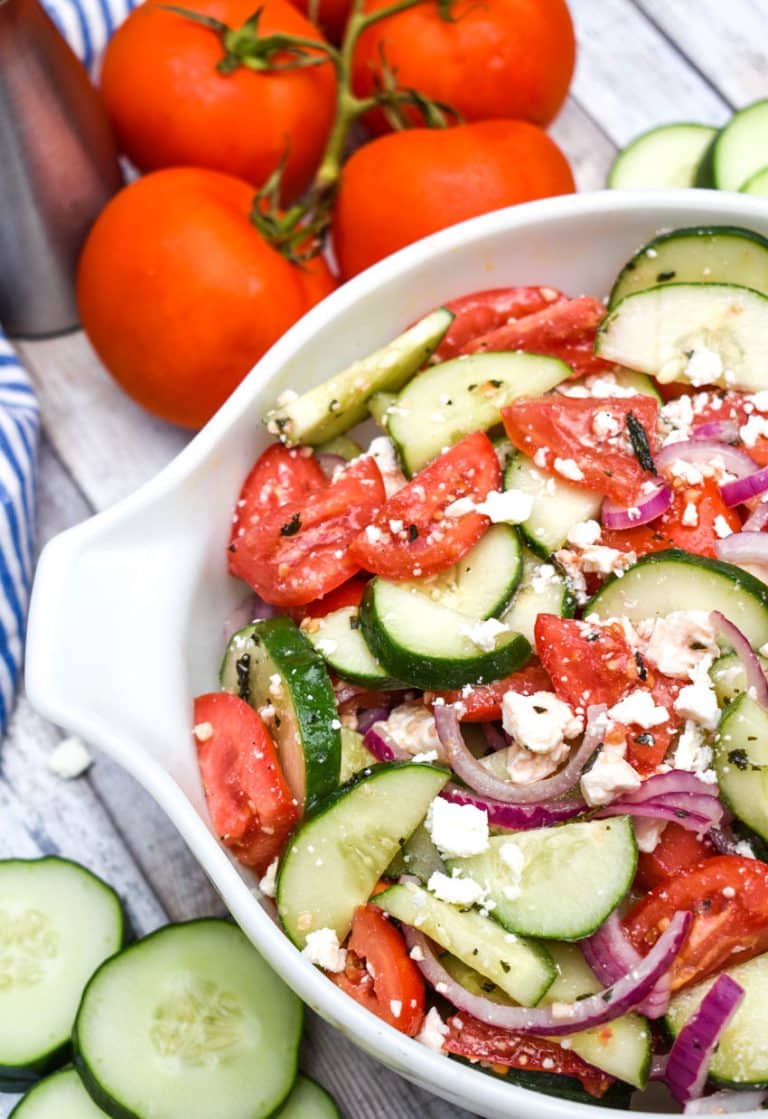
751	431
416	953
203	731
70	758
396	1007
569	468
458	830
425	758
608	779
599	559
759	400
704	366
744	848
722	528
524	767
433	1031
373	534
460	507
395	526
693	754
648	833
540	458
382	451
639	707
605	425
697	701
323	949
543	577
484	634
412	727
539	722
570	562
596	385
584	534
678	642
511	507
455	890
268	884
676	420
690	517
275	685
687	472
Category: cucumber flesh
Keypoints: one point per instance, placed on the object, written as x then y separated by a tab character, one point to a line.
339	403
564	863
338	855
663	582
308	1101
542	590
741	762
714	334
558	505
729	677
741	1057
189	1022
60	1096
665	157
705	254
419	857
738	150
342	446
425	644
339	640
354	756
379	405
272	664
757	184
58	922
454	398
521	969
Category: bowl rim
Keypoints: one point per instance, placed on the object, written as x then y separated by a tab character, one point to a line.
459	1083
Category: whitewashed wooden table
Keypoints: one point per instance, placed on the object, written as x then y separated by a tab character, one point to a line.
641	63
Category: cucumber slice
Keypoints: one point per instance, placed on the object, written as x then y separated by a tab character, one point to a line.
343	446
718	254
378	406
663	157
480	585
757	184
564	863
453	399
338	638
189	1022
425	644
638	382
737	151
419	857
741	1057
354	756
663	582
58	921
353	838
664	329
272	663
308	1101
522	970
558	505
741	762
542	590
60	1096
729	677
339	403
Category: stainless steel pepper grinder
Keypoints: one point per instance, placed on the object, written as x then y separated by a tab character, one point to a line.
58	167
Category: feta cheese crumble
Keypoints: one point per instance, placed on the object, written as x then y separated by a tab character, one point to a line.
268	884
323	949
639	707
382	451
539	722
506	507
412	727
648	833
697	701
458	830
433	1031
484	634
722	528
704	366
70	758
455	890
585	534
609	778
750	432
569	468
678	642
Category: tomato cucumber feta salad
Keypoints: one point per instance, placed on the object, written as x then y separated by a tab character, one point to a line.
495	734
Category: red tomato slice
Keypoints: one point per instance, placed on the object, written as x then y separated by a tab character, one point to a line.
483	311
677	850
252	809
470	1038
481	703
300	551
348	594
728	896
646	749
279	477
561	427
668	530
391	986
411	535
586	664
566	329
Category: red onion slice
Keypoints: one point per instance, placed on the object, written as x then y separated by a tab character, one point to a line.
694	817
610	954
494	737
370	715
724	431
743	547
379	742
701	452
618	516
584	1014
516	817
673	782
477	777
742	490
758	518
724	1103
693	1047
742	647
251	609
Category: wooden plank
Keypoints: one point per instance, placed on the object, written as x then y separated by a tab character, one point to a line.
725	41
590	152
629	77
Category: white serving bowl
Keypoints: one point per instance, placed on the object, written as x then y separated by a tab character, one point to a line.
126	617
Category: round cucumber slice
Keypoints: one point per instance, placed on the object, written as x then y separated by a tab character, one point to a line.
60	1096
339	640
483	582
738	149
188	1023
741	762
663	582
730	678
58	922
758	184
271	663
558	505
425	644
665	157
721	254
542	590
308	1101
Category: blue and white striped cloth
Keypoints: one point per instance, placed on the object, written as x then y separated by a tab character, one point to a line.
87	26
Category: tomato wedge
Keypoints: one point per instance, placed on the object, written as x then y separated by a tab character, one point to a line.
348	594
483	311
566	329
669	531
300	551
587	664
280	476
563	430
647	749
728	897
379	973
470	1038
677	850
252	809
412	535
481	703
